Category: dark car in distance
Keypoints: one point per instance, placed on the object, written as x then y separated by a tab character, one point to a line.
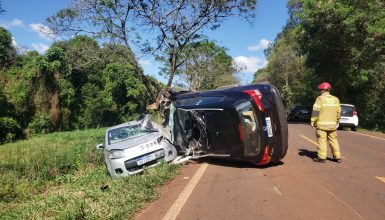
299	113
245	123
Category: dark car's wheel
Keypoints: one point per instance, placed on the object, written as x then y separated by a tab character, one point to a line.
354	128
282	149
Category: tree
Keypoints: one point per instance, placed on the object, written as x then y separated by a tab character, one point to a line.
207	66
53	70
174	23
177	23
7	50
344	44
104	19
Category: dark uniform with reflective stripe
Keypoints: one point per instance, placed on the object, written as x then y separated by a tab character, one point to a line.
325	117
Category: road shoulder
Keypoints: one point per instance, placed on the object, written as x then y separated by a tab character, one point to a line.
168	194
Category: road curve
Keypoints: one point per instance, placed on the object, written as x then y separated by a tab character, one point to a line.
297	189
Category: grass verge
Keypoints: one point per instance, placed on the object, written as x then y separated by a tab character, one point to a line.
63	176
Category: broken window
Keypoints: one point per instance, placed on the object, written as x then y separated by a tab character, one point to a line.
248	128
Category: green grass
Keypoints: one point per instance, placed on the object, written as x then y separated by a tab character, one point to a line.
63	176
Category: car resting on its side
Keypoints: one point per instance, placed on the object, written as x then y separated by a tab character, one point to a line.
246	123
242	123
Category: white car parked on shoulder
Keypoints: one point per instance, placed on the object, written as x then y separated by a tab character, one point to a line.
349	117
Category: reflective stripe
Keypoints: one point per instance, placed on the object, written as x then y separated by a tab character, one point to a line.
315	113
327	122
329	105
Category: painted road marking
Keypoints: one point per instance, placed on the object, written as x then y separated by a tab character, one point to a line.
173	212
368	135
336	197
308	139
381	178
277	190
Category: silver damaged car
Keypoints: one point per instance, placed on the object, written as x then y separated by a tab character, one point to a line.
131	146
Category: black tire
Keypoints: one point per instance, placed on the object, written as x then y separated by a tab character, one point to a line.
354	128
283	127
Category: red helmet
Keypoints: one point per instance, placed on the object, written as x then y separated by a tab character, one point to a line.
325	86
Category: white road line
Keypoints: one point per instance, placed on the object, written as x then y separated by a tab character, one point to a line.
173	212
308	139
340	200
368	135
277	190
381	178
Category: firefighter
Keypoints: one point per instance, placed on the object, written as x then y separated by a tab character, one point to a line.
325	118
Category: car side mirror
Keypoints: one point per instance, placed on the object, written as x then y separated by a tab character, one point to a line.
100	146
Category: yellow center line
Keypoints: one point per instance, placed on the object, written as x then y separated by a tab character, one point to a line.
182	199
381	178
308	139
368	135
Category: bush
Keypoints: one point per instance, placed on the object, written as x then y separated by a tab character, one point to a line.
10	130
40	124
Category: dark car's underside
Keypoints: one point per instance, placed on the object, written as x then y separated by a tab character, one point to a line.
242	123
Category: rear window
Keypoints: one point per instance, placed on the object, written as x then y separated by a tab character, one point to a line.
249	128
347	111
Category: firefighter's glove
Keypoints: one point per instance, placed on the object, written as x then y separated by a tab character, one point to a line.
312	124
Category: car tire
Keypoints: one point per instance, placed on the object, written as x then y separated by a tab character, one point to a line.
280	153
354	128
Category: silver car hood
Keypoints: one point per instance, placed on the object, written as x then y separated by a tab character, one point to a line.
133	142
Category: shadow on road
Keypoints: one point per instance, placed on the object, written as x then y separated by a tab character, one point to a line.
235	164
307	153
311	154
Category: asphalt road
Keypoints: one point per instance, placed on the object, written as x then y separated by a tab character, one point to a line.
296	189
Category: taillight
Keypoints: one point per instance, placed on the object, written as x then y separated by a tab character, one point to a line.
256	95
355	113
241	137
265	158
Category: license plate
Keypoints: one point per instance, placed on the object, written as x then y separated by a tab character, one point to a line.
268	125
146	159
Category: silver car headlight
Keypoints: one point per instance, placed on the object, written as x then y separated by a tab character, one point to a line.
116	154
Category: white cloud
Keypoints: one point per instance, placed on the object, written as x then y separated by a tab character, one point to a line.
39	47
249	64
144	62
263	44
19	49
17	23
14	23
43	31
14	43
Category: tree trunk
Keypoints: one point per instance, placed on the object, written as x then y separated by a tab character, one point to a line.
172	62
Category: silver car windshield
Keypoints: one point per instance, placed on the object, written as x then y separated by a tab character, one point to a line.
126	133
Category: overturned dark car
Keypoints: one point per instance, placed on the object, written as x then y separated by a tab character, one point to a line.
245	123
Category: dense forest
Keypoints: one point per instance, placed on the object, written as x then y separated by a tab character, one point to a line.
341	42
76	84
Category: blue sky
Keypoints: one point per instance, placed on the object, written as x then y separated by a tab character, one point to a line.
245	43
